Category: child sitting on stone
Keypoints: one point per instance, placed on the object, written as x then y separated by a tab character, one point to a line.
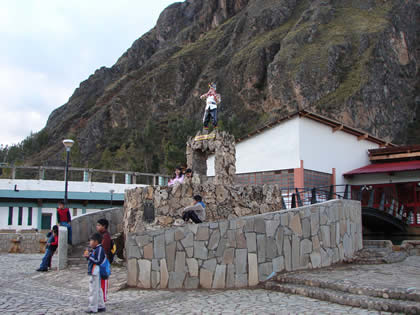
178	177
196	212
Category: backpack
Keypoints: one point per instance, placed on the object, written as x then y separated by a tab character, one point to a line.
112	252
105	269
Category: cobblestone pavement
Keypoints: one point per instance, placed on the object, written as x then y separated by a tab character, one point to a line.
23	290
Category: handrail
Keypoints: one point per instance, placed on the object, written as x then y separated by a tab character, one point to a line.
80	169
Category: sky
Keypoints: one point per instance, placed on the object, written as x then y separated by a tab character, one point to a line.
47	47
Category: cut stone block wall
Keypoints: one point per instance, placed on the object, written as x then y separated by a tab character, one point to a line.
29	242
222	202
244	251
84	225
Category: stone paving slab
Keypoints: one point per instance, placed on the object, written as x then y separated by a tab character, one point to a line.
23	290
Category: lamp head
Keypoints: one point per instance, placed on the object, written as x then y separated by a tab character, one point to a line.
68	143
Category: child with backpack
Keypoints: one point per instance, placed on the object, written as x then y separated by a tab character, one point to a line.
50	249
108	245
96	257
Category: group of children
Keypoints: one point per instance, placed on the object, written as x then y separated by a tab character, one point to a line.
63	219
180	176
197	211
100	248
100	243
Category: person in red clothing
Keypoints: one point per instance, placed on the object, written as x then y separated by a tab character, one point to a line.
64	219
102	228
52	244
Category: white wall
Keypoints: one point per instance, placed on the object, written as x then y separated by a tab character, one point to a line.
384	178
49	185
321	149
274	149
283	146
52	185
4	217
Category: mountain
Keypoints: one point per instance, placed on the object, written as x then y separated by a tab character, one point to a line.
356	61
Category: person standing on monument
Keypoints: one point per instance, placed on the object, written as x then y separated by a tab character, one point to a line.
212	100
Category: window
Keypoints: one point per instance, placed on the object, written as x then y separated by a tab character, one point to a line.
74	212
20	215
10	222
30	216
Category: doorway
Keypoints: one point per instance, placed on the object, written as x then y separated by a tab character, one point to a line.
46	221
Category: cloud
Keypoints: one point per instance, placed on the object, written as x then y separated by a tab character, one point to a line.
48	47
26	99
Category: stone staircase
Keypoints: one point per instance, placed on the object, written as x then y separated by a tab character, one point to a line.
378	252
387	300
76	254
350	293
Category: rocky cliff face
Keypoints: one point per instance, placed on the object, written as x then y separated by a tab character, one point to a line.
356	61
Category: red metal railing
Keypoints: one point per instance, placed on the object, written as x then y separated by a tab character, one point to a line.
385	200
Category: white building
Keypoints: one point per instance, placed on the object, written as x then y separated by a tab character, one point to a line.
32	204
301	150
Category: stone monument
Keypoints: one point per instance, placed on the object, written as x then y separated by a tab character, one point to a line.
223	199
222	145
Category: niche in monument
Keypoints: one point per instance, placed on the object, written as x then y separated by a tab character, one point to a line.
199	163
148	212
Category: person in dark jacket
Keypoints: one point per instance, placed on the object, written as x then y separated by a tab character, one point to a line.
95	258
52	244
64	219
102	228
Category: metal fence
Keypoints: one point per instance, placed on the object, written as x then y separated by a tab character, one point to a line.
81	174
369	197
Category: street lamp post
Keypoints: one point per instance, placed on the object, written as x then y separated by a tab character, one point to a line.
112	194
68	143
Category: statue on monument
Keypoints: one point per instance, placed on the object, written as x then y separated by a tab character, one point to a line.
212	100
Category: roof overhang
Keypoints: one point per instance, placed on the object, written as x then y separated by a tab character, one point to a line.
335	126
393	153
392	167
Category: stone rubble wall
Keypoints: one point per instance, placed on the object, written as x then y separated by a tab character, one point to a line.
242	252
29	242
84	225
222	202
222	144
411	247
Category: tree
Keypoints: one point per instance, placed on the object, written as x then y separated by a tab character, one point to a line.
106	161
